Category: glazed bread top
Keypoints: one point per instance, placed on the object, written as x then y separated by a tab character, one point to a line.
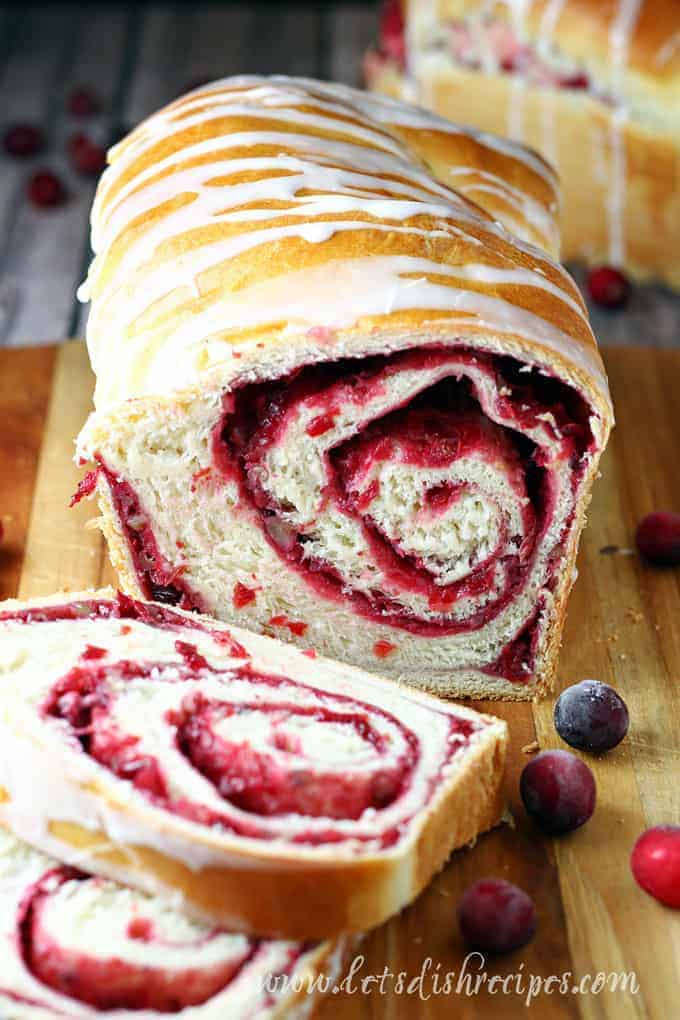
259	224
630	48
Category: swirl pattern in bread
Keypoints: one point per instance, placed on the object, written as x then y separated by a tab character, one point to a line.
276	793
76	946
344	395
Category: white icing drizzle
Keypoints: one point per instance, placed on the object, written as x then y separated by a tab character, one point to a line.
528	209
665	53
367	175
548	24
620	35
549	19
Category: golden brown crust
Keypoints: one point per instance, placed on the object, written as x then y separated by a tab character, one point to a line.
134	354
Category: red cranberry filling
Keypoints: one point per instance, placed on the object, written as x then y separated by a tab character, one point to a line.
471	408
159	580
329	757
442	426
123	608
85	969
434	439
259	782
501	42
498	41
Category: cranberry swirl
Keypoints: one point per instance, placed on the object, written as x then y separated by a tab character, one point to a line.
429	490
256	755
76	945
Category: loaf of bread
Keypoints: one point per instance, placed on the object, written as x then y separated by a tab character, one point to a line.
259	788
345	394
593	86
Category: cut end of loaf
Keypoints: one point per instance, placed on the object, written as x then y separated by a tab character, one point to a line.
344	401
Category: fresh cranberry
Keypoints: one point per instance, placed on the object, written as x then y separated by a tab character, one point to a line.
392	32
558	791
655	862
45	189
23	140
496	916
83	102
77	139
591	716
609	287
658	538
88	157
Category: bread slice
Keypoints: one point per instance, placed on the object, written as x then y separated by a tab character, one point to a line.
73	945
268	790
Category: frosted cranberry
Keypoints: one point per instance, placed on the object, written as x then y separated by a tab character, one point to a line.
88	158
45	189
591	716
23	140
496	916
658	538
608	287
83	102
558	791
655	862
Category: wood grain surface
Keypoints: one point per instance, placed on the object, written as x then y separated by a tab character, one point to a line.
138	57
622	627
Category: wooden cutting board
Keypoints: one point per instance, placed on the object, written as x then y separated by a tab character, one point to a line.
623	627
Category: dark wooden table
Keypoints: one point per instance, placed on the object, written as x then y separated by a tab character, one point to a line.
137	57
